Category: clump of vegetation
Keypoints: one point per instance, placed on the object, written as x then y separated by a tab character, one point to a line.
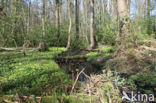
107	35
144	82
102	87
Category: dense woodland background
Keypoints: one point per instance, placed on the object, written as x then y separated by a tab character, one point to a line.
76	51
68	22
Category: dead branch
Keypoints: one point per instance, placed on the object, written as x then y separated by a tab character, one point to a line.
6	101
76	80
19	98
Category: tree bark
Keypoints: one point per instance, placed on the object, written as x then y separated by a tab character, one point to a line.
29	18
123	19
70	24
143	3
77	18
58	18
43	17
92	33
123	16
149	17
122	8
85	3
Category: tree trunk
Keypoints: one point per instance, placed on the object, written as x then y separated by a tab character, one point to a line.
129	5
43	18
77	18
123	20
143	3
92	35
149	17
70	24
58	18
122	8
85	3
29	18
108	6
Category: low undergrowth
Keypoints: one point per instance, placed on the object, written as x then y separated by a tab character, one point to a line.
144	82
36	73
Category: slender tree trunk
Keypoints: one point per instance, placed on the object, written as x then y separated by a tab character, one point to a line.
141	8
60	11
92	35
129	5
115	9
70	24
108	5
86	20
104	9
29	18
58	17
77	17
43	17
149	17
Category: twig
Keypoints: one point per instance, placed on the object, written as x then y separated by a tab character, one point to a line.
76	80
19	98
88	77
6	101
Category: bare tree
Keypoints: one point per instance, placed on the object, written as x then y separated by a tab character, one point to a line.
85	10
70	24
77	17
58	17
92	33
149	17
43	17
29	18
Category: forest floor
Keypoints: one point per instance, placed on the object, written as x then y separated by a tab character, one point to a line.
54	73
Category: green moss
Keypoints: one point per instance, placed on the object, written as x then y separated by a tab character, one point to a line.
109	49
79	99
49	99
92	54
72	99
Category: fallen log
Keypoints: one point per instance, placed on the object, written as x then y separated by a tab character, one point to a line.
7	49
19	49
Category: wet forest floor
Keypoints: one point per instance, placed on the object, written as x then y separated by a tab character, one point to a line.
61	76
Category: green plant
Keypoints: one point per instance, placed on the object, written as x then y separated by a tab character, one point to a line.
32	74
120	81
143	82
106	33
